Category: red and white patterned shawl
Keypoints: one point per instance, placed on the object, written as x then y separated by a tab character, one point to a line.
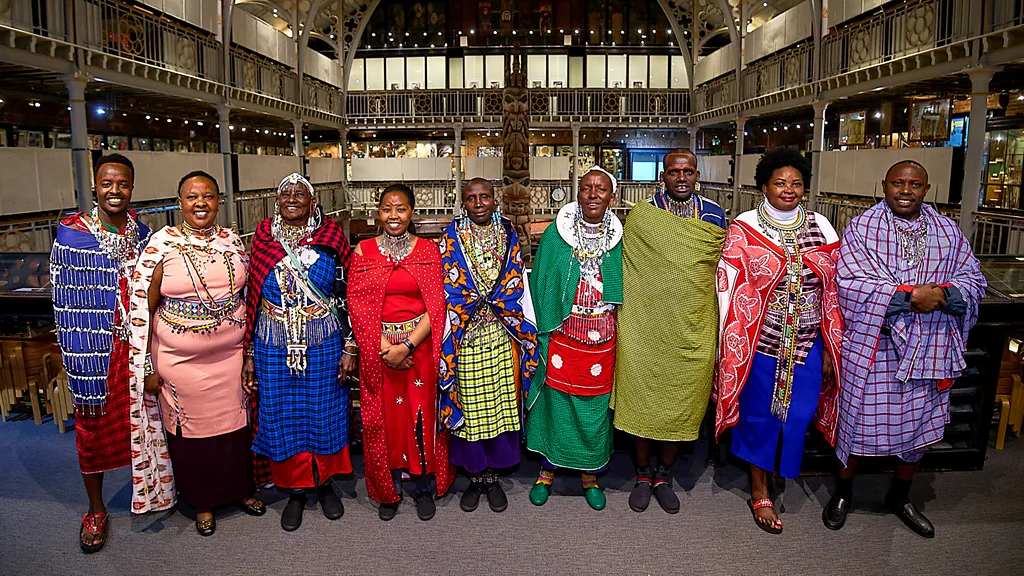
750	269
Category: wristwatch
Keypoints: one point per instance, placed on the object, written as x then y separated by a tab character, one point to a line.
409	344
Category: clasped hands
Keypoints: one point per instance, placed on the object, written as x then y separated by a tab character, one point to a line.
927	298
395	356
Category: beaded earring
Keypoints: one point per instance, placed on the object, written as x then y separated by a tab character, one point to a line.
463	218
496	217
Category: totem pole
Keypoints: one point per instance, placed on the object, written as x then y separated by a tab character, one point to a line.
515	126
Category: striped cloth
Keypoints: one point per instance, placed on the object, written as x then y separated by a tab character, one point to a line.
306	413
486	373
889	402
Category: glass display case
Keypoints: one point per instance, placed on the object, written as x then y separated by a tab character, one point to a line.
26	310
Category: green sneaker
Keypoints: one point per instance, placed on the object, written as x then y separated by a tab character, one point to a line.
539	493
595	497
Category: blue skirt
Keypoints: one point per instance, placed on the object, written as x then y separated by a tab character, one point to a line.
756	437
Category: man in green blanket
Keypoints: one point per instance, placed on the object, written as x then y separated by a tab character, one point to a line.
668	324
577	285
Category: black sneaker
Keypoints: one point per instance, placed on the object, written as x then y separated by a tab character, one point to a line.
388	511
425	507
471	497
291	518
640	497
496	496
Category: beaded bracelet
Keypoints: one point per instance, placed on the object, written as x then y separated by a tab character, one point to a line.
149	365
352	354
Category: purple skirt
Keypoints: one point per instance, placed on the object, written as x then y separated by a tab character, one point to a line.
502	451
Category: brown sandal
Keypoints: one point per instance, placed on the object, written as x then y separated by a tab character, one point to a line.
96	525
763	503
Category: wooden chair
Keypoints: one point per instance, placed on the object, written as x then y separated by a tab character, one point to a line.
26	377
1009	396
60	401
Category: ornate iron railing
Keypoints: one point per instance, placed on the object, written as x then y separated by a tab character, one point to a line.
715	94
261	75
120	30
997	234
780	71
42	17
909	28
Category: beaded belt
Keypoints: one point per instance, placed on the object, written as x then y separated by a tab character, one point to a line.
312	312
806	301
396	331
174	310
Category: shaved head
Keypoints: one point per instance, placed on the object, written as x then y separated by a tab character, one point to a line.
474	182
690	156
911	163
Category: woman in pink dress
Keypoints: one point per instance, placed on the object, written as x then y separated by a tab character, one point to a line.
189	315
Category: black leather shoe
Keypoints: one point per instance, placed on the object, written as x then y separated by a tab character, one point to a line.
471	497
388	511
425	507
330	504
912	517
640	496
206	527
496	497
834	514
291	518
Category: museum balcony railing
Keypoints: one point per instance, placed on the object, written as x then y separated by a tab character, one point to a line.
108	27
719	93
997	233
545	104
45	18
786	70
909	28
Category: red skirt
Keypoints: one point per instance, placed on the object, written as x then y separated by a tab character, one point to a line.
104	440
580	369
297	472
410	413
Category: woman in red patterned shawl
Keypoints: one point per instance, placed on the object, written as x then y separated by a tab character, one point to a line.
397	309
780	329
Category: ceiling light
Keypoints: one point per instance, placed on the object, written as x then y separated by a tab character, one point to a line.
561	31
878	114
186	121
200	123
446	134
230	127
243	128
1021	97
373	34
265	131
765	130
775	128
797	126
217	126
168	120
471	31
101	111
2	101
765	4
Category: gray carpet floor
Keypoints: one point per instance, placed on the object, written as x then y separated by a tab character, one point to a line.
978	517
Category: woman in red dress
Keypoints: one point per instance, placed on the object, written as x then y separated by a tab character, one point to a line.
396	305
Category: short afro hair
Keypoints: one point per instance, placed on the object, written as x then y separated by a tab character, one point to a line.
115	159
781	158
198	174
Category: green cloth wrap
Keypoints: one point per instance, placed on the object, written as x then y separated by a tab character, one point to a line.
667	324
574	432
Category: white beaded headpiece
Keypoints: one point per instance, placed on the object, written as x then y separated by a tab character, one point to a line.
615	183
295	178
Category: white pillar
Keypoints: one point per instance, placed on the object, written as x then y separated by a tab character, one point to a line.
741	126
973	167
224	114
80	141
817	147
574	168
457	152
298	147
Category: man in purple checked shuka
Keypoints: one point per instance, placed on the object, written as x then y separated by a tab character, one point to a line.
909	288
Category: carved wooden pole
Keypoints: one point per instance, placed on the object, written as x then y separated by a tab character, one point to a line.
515	134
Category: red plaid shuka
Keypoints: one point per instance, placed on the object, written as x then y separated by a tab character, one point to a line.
265	253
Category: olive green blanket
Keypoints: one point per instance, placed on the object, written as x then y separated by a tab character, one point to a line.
667	324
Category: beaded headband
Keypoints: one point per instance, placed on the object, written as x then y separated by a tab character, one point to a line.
615	183
295	178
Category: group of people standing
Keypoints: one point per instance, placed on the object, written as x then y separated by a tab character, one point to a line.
213	371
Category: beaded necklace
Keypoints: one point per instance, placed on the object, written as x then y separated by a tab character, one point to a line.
122	249
216	312
684	209
592	242
788	233
913	239
395	248
485	248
